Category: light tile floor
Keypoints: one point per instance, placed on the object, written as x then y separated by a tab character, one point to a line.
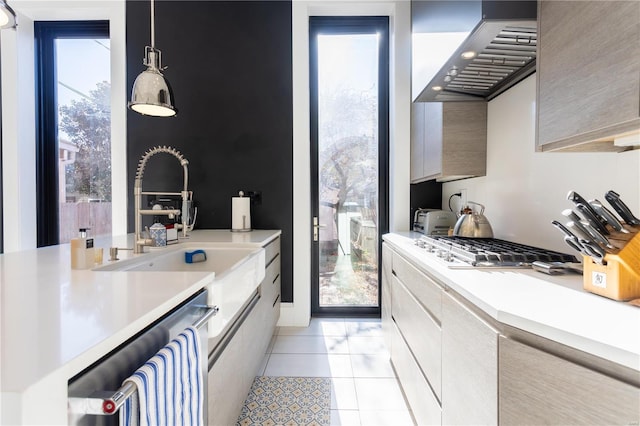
352	353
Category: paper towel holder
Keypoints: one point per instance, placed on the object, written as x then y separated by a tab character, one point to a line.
241	223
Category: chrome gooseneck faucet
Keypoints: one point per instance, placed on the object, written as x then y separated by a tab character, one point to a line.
185	194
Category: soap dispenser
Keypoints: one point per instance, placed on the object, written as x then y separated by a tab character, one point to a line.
82	251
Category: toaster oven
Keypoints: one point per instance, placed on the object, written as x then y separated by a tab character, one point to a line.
433	222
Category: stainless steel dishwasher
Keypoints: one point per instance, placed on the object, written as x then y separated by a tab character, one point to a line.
96	393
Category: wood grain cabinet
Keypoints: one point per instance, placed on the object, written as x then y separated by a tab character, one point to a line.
458	366
411	322
588	74
421	332
539	388
424	405
417	173
469	366
448	140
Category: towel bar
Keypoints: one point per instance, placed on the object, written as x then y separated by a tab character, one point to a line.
106	403
210	311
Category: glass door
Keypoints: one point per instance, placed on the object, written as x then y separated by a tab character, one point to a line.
349	134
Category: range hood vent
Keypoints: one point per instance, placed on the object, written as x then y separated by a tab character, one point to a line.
504	52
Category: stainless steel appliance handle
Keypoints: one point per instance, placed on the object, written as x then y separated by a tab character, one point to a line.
106	403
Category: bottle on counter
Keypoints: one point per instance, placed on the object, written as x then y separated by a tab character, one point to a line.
82	251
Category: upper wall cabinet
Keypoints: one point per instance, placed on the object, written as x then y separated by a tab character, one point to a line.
448	140
588	75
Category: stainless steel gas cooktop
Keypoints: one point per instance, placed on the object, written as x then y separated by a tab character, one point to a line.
488	252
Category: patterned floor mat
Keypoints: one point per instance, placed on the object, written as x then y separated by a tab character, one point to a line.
288	401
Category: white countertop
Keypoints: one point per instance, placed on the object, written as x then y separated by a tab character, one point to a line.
57	321
554	307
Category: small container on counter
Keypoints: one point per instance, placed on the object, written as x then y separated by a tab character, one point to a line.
172	234
98	255
82	251
158	234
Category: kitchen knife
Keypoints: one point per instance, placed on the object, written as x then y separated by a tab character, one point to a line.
608	216
621	208
576	227
569	237
595	235
571	215
556	268
578	199
587	212
596	252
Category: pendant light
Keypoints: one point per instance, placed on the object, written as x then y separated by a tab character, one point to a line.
7	16
151	93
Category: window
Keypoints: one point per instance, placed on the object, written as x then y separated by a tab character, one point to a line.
73	174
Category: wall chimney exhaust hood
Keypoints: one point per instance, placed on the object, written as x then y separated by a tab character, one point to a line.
499	51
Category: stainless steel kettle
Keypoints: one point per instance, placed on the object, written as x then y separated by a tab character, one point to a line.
473	225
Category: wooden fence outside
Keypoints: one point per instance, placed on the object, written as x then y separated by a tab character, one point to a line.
96	216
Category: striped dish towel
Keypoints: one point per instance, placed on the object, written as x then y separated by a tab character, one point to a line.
169	386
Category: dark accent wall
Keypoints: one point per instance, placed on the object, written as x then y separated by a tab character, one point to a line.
230	67
425	195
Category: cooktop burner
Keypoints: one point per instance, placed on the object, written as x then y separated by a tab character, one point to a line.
489	252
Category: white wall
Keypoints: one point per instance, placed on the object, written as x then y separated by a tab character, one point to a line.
298	313
18	113
525	190
18	137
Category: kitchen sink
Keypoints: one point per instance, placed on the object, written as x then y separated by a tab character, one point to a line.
237	272
220	259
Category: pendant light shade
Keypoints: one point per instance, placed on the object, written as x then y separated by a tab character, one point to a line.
151	93
7	16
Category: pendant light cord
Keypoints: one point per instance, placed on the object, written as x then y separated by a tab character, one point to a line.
153	29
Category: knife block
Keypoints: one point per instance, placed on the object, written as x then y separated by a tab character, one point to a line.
619	277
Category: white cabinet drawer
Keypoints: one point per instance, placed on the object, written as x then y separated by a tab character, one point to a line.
270	286
270	291
423	288
423	403
385	300
274	303
421	332
271	250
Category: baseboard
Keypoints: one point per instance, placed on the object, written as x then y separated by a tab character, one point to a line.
293	316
